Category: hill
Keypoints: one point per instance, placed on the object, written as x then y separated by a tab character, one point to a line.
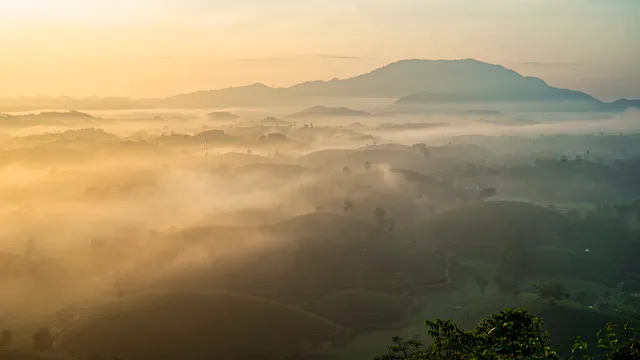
221	116
251	95
449	81
50	118
203	325
272	121
324	111
495	226
311	256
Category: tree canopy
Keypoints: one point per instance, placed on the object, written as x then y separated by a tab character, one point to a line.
512	334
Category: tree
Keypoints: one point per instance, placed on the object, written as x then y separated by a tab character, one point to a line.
552	292
482	283
380	217
6	337
346	170
617	345
348	206
564	158
367	165
510	335
391	224
42	340
422	147
487	193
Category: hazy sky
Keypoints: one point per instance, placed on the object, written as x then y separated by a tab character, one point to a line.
147	48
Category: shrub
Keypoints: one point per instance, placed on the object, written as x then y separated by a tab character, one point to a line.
510	335
6	337
42	340
552	292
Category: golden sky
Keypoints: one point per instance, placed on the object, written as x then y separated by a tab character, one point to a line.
151	48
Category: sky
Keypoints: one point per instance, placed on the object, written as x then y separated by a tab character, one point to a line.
156	48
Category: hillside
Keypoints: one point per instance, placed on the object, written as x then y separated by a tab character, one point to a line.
324	111
495	226
222	115
46	118
407	77
203	325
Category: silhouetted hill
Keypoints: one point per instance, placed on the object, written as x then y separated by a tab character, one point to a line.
222	115
625	103
324	111
46	118
407	77
491	113
272	121
411	81
252	95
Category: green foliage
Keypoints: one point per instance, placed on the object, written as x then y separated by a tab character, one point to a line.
487	193
552	292
512	334
614	345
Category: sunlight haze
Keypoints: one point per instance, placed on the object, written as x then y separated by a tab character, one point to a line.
159	48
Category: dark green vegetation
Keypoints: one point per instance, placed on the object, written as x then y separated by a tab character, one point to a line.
511	334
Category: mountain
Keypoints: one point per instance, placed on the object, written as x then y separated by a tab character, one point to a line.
252	95
625	103
407	77
324	111
412	82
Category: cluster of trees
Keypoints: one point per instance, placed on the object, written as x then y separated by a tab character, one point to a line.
383	221
42	339
513	334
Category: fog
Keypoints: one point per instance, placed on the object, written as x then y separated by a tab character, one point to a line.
100	209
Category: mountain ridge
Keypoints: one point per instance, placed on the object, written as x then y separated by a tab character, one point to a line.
411	81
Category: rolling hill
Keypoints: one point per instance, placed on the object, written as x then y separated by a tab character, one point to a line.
324	111
495	226
198	325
